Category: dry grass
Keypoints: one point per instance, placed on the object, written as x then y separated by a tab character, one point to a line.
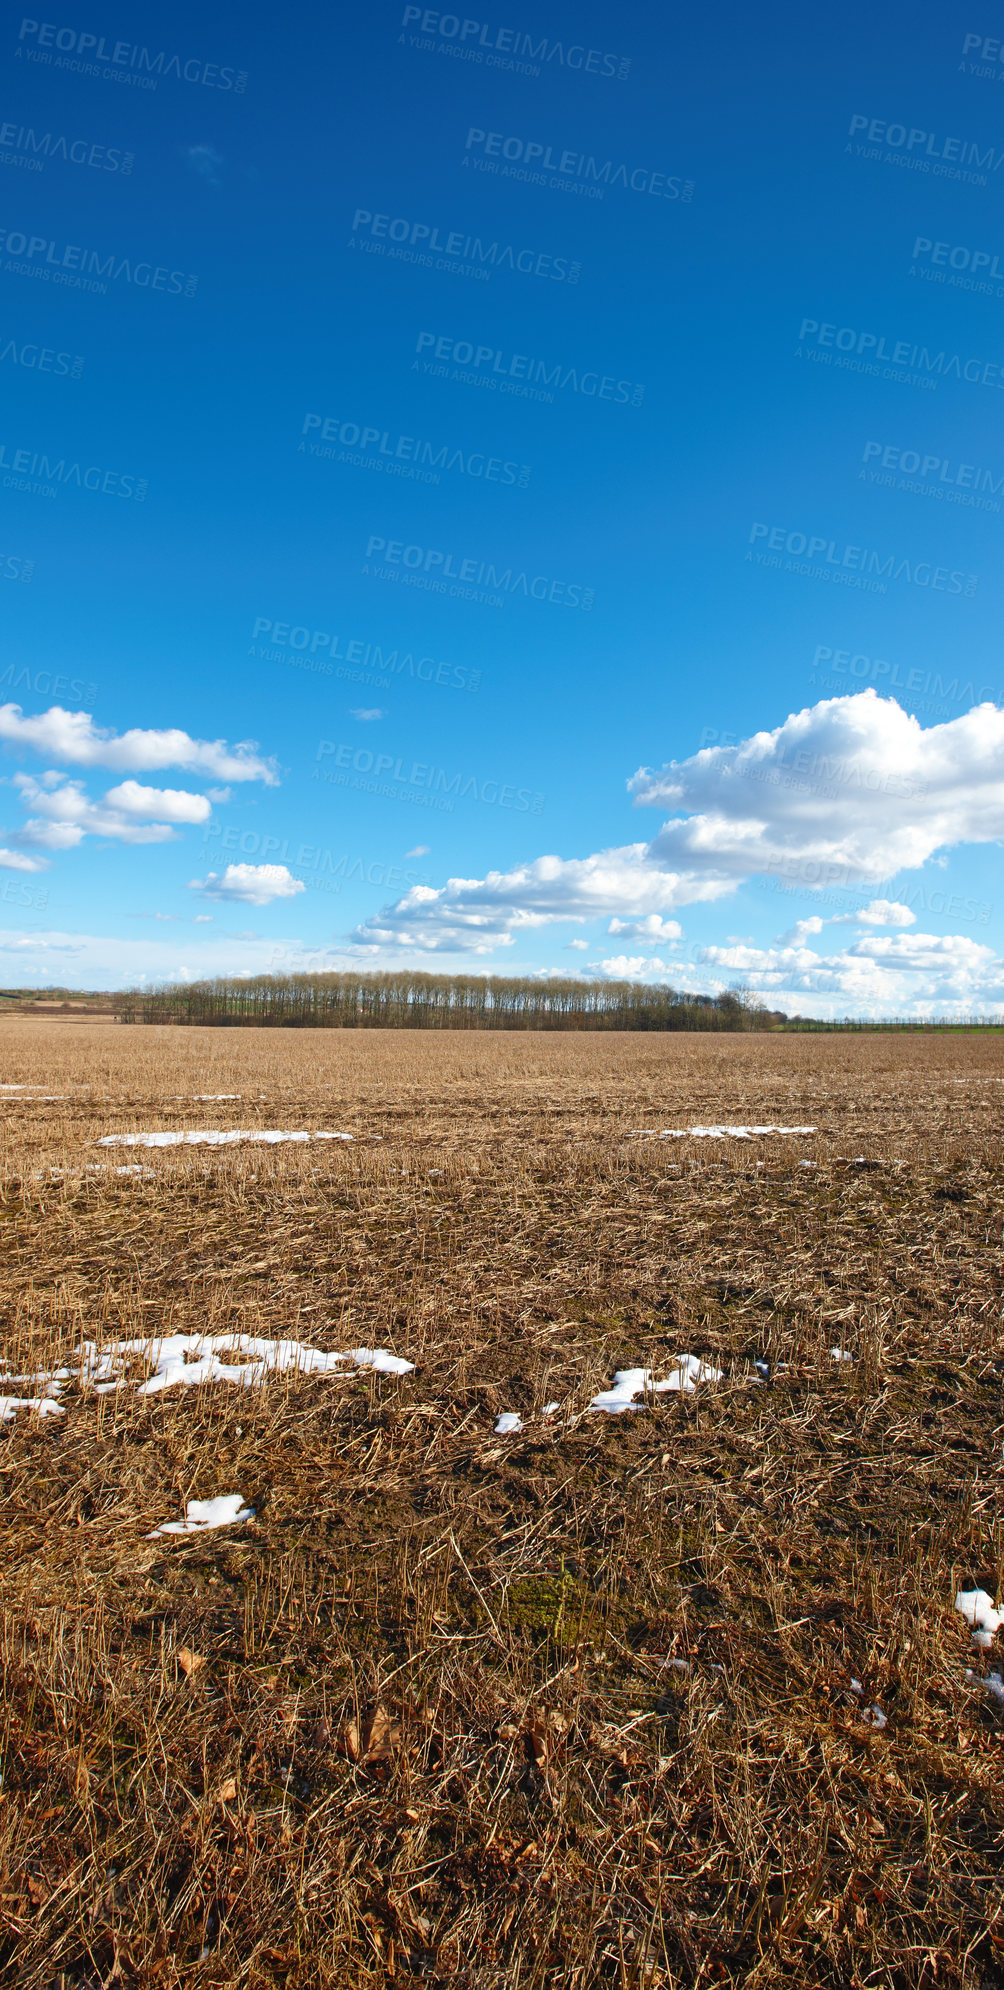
420	1721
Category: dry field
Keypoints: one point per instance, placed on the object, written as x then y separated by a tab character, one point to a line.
563	1707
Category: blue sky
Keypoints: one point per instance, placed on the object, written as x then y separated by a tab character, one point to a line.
471	412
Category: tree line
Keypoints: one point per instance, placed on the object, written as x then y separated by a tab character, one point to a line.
404	1000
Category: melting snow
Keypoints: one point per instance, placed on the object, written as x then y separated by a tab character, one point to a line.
193	1359
228	1510
720	1132
978	1610
507	1422
632	1382
208	1139
840	1354
9	1405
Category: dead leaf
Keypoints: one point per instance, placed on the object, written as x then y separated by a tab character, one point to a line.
189	1661
227	1791
82	1780
536	1740
382	1737
348	1741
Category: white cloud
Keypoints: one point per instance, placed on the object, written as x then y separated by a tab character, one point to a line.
18	860
65	815
479	914
360	712
801	931
853	785
73	738
878	974
167	804
250	884
881	912
420	850
652	928
633	967
577	946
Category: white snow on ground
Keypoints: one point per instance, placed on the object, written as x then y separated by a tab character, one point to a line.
632	1382
227	1510
507	1422
721	1132
9	1405
208	1139
192	1359
840	1354
978	1610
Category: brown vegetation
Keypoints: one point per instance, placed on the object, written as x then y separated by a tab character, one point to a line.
568	1708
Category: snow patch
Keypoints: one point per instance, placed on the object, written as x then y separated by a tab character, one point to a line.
227	1510
192	1359
209	1139
630	1383
723	1132
978	1610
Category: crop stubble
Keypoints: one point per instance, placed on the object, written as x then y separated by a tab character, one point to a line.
421	1722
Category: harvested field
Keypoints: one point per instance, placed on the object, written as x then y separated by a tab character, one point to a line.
671	1697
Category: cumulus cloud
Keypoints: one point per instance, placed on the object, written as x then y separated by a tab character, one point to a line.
577	946
632	967
881	912
855	785
249	884
18	860
168	804
878	974
65	815
851	789
73	739
478	914
652	928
